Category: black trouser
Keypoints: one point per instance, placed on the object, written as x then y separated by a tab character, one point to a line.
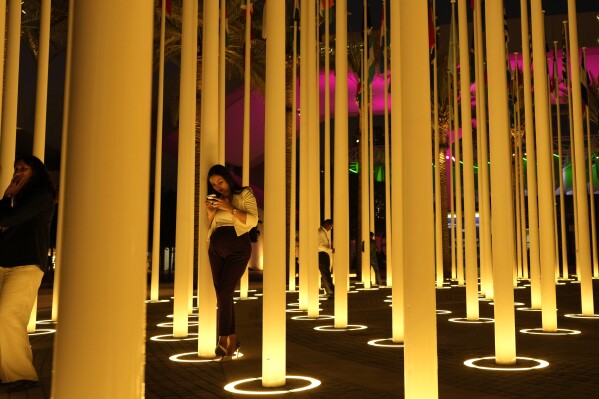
324	264
229	255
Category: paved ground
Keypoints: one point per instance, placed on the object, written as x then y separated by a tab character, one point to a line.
350	368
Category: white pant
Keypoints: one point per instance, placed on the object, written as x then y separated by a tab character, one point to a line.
18	290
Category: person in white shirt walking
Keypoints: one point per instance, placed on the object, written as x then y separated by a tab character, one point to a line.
325	252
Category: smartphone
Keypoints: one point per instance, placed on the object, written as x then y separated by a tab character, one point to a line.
211	197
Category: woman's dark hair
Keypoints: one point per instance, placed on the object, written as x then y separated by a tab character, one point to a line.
220	170
40	179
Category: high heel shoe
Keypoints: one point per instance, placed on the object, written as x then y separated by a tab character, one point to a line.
220	350
234	351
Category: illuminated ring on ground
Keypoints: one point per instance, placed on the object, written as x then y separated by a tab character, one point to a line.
232	386
519	288
244	299
529	309
248	290
193	358
160	338
319	317
441	311
169	324
352	292
481	320
258	294
368	289
582	316
42	331
388	300
299	310
378	342
497	367
443	287
525	285
350	327
574	282
45	322
170	316
515	304
560	283
293	304
483	299
539	331
158	301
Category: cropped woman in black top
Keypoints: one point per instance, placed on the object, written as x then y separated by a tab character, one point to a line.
26	212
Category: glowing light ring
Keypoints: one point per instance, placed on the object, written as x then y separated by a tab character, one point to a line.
350	327
319	317
443	288
377	342
293	304
170	316
582	316
519	288
574	282
483	299
368	289
248	291
258	294
299	310
515	304
528	309
160	338
232	387
196	359
352	292
539	331
45	322
158	301
540	364
388	300
441	311
42	331
169	324
481	320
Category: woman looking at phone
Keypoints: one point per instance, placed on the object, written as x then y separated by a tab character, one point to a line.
232	213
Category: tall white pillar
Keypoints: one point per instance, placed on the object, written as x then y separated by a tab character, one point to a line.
2	37
274	316
185	169
420	350
208	157
8	137
397	242
341	178
531	169
501	187
580	195
469	208
41	97
106	207
545	175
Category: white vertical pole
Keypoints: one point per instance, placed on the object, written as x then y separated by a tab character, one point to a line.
388	207
208	157
364	164
155	283
580	194
469	207
185	168
341	182
501	187
420	351
222	80
304	264
122	62
63	163
41	97
483	164
327	116
293	169
2	37
397	310
8	137
531	164
274	319
245	178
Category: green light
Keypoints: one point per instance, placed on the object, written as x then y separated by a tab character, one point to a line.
354	167
379	173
